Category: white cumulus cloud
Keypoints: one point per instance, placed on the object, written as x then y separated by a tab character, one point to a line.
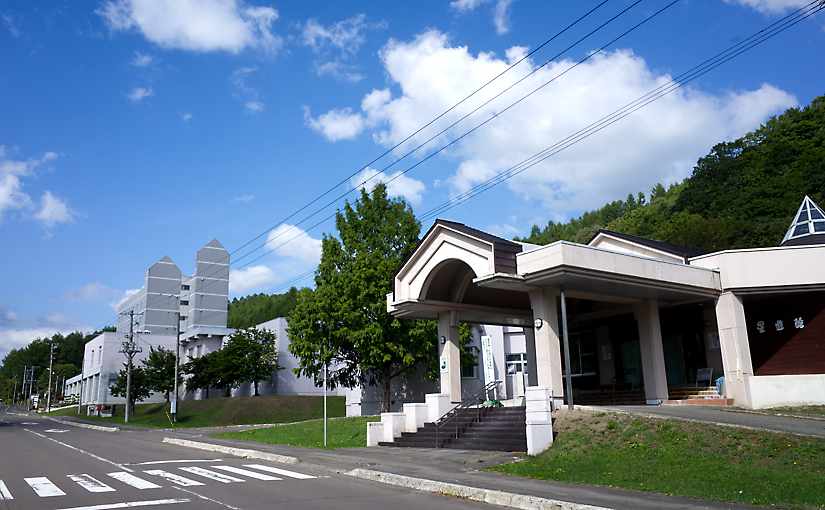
138	94
398	185
123	298
771	6
252	277
196	25
142	59
292	241
53	210
501	11
658	143
337	124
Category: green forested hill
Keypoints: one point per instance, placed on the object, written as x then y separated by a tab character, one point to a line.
743	194
254	309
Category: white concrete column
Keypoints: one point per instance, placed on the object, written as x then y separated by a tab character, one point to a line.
653	355
736	351
547	345
539	420
449	356
530	344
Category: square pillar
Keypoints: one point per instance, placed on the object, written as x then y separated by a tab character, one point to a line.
530	344
449	356
544	302
735	347
653	354
539	419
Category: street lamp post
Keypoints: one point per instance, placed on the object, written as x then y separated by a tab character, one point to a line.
174	404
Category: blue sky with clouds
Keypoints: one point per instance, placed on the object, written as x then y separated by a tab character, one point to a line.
134	129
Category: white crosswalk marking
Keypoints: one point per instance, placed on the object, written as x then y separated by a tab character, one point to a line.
130	479
279	471
172	477
212	475
4	492
90	484
43	487
246	472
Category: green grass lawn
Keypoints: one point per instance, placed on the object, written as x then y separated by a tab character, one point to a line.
682	458
341	433
223	411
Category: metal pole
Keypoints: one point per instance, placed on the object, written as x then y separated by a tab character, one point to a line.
569	371
51	364
129	356
14	394
325	402
80	392
177	368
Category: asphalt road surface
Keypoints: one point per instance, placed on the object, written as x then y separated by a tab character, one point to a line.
45	465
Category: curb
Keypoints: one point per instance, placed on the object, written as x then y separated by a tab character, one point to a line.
81	425
228	450
491	497
780	415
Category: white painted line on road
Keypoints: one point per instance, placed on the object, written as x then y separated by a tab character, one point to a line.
75	448
172	477
182	461
246	472
212	475
130	479
56	431
30	423
201	496
90	484
44	487
4	492
279	471
131	504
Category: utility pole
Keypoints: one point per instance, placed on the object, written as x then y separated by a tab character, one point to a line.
14	394
129	348
177	366
51	364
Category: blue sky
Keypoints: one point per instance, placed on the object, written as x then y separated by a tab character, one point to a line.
134	129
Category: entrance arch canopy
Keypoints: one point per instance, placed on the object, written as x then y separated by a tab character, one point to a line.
440	277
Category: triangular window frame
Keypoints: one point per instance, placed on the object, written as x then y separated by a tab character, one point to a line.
809	220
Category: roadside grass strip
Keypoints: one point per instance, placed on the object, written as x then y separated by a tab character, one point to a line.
134	481
172	477
90	484
43	487
4	492
212	475
246	472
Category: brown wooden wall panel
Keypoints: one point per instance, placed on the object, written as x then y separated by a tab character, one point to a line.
796	345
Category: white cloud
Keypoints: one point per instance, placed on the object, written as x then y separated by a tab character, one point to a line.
501	11
252	277
771	6
53	210
341	71
400	185
244	199
658	143
142	59
90	292
7	316
196	25
292	241
186	116
337	124
123	298
254	106
501	16
10	25
15	338
336	44
138	94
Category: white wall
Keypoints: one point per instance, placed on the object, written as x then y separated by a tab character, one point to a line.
786	390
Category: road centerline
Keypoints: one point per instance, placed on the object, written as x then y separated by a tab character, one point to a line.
80	450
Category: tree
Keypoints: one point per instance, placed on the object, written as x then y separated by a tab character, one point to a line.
250	356
246	312
159	367
201	372
344	322
140	390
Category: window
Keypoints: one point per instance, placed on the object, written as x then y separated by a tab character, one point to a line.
182	318
184	287
516	363
469	371
184	302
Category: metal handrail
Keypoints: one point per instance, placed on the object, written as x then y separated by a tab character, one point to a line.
476	399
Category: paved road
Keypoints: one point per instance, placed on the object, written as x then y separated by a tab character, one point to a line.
802	426
45	465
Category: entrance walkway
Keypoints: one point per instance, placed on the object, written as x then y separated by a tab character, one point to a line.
799	426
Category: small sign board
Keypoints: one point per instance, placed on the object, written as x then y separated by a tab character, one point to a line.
487	359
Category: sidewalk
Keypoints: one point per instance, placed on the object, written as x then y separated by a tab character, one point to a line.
464	468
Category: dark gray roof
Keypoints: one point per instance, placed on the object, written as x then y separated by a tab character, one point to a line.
680	251
504	251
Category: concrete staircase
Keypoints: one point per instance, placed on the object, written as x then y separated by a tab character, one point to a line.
500	429
693	395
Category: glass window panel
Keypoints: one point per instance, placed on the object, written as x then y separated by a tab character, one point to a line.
801	229
803	216
816	214
819	226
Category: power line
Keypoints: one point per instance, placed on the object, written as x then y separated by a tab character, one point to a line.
489	119
425	126
694	73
